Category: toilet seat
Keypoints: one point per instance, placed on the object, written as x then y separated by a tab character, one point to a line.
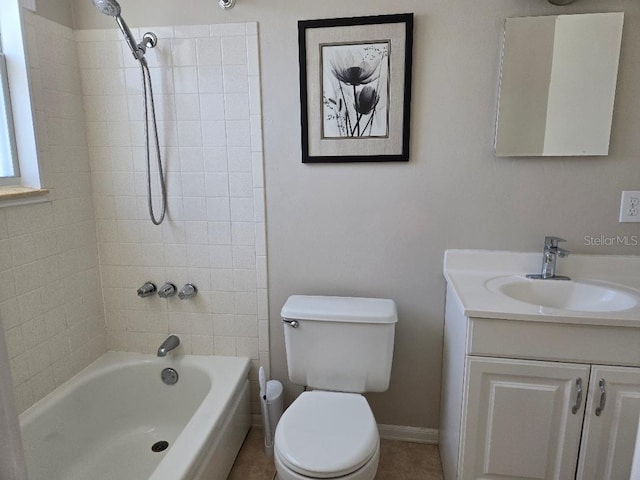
326	434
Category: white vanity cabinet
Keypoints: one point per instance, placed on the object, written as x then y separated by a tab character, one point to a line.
518	420
611	423
520	399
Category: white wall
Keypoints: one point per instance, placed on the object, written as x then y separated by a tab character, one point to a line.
382	229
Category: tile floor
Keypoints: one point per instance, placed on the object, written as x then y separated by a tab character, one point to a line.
398	461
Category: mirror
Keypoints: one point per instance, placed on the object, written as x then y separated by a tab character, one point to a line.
557	85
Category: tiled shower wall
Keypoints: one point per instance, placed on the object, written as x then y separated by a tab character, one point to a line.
207	87
50	300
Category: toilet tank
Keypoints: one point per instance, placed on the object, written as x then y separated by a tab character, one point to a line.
339	343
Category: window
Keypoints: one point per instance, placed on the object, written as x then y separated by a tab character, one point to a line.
9	170
18	152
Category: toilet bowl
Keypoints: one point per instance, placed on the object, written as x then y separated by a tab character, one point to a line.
327	435
340	347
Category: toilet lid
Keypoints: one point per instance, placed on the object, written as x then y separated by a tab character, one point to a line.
326	434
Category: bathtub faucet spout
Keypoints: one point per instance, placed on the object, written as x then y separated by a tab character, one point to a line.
169	344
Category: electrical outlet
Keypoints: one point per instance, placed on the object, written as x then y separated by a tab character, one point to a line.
630	207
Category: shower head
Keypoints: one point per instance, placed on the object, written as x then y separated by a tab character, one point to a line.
108	7
112	8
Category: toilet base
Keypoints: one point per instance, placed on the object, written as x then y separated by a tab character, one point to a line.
366	472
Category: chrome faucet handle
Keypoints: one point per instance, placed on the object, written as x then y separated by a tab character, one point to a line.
147	290
552	242
188	291
167	290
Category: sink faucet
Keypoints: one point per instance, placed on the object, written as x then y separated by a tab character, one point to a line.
550	255
169	344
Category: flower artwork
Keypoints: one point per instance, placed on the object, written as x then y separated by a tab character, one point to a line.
355	90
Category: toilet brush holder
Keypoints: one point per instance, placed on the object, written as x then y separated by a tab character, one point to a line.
271	404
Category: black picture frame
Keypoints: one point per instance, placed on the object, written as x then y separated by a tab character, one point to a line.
339	95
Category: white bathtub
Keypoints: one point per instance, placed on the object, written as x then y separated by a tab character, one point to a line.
102	423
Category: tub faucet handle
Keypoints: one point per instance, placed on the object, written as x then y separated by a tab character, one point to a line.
188	291
147	290
167	290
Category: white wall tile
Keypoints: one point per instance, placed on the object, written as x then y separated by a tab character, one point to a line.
184	52
247	347
228	29
242	209
189	134
219	233
212	106
214	134
244	257
235	79
223	302
206	81
195	208
185	79
216	184
253	55
210	79
243	233
240	159
193	184
234	50
240	185
192	31
244	280
224	346
215	159
246	326
236	106
220	256
209	51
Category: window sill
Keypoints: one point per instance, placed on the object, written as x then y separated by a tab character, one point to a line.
11	196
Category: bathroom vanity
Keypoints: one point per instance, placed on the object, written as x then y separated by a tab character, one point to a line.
541	378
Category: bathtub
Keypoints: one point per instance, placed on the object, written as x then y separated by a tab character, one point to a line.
103	422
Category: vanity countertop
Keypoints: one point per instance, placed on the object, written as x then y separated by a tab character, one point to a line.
468	272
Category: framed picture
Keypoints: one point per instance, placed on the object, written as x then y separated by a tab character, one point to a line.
355	88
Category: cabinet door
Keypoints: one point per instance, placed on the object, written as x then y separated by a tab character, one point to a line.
610	424
519	421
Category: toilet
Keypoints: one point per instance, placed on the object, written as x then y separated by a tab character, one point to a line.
339	347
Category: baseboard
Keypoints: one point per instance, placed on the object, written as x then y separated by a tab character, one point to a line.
388	432
408	434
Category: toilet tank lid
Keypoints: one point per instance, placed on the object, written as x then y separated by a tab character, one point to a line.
340	309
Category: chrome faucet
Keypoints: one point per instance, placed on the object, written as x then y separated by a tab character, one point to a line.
549	257
169	344
188	291
147	290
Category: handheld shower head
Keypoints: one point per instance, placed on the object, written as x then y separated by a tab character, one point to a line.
108	7
112	8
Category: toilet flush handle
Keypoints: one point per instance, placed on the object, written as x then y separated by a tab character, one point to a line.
291	323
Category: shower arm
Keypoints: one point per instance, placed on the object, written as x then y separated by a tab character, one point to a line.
138	49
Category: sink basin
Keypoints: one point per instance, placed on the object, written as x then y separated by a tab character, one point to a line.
579	296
